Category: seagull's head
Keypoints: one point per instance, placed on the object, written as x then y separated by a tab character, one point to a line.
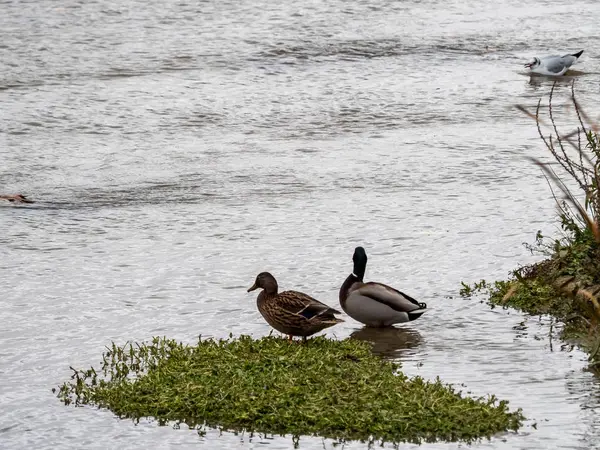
533	63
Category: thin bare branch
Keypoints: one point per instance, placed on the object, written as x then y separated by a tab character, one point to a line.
577	108
581	113
538	121
583	167
528	114
590	222
551	112
561	206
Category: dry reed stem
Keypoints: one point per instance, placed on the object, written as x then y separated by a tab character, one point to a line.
575	168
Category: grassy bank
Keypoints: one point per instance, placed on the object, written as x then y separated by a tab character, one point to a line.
566	284
329	388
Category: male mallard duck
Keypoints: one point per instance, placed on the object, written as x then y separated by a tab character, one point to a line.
291	312
17	198
375	304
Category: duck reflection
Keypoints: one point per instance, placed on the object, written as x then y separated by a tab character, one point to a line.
389	342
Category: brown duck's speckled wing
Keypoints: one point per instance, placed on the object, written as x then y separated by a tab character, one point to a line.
304	305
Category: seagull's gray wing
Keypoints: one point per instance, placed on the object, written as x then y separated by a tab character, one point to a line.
569	60
555	64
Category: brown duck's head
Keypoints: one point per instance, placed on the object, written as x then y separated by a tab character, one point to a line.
266	281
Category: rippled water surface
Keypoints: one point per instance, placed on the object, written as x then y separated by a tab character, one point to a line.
176	149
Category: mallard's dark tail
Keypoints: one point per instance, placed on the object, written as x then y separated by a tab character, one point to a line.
416	313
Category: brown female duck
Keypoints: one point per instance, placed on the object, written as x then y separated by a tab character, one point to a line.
290	312
17	198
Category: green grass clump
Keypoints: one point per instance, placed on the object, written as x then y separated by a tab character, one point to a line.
335	389
566	286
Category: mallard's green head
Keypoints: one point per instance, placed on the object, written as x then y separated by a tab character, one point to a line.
360	262
266	281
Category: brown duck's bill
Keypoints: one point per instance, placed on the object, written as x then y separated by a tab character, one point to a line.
252	288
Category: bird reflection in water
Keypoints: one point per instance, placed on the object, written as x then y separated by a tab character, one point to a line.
389	342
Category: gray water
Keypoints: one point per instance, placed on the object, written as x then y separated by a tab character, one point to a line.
176	149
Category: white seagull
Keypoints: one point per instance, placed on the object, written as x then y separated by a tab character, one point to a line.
553	65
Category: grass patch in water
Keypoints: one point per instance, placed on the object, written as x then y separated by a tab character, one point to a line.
329	388
566	284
